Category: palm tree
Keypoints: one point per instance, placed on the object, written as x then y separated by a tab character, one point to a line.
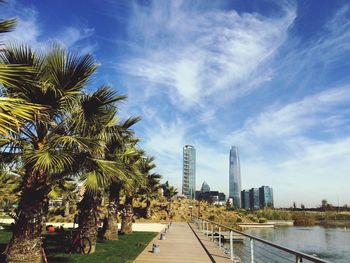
135	182
67	191
97	119
169	193
152	185
118	150
8	185
44	147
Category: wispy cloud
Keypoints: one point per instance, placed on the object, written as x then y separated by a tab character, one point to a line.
28	31
197	54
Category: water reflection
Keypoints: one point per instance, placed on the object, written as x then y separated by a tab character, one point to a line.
328	243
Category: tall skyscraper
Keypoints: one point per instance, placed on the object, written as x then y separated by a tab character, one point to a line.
235	178
189	171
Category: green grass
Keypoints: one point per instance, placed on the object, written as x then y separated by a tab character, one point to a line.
126	249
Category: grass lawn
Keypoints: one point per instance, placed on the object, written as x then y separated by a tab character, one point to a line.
126	249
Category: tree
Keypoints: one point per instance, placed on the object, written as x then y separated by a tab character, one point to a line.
324	204
119	149
169	193
152	184
8	185
135	182
96	119
45	147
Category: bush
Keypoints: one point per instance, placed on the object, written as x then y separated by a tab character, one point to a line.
253	218
262	220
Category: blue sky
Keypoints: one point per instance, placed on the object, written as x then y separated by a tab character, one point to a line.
271	77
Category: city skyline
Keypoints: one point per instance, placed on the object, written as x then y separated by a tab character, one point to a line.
268	76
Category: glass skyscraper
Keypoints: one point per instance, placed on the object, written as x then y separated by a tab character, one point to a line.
266	196
257	198
189	171
235	178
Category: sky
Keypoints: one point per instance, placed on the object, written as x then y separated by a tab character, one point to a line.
270	77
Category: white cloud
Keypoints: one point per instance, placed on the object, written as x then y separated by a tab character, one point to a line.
199	54
28	31
295	118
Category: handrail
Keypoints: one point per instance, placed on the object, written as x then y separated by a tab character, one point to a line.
289	250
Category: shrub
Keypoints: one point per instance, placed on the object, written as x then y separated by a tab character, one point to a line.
262	220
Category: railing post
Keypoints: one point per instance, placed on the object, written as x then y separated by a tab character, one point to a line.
207	234
202	225
219	237
251	250
212	233
298	259
231	245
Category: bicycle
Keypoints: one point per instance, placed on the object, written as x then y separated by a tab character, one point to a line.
42	251
76	242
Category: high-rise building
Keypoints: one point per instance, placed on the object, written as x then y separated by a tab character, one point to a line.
189	171
266	196
257	198
235	178
245	199
254	198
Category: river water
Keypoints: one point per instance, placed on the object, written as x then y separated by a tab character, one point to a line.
328	243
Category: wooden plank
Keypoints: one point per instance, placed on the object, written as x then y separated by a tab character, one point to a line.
180	245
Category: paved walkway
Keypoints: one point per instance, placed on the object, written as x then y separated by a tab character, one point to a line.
182	244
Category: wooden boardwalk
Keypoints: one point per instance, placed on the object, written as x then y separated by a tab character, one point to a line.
182	244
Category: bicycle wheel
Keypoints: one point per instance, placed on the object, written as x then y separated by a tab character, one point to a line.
83	246
43	256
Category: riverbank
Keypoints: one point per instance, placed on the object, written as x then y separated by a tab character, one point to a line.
334	223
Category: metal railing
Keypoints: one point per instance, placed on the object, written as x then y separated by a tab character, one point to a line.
250	249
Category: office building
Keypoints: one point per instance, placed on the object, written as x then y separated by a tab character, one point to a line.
235	178
254	198
189	171
245	199
257	198
266	196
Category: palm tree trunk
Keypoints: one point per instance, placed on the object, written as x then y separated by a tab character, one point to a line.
88	218
127	216
25	244
148	209
66	208
110	227
169	208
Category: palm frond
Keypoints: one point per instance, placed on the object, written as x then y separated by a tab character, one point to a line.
7	25
14	112
48	160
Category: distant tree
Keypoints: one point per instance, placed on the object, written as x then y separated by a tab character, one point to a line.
324	203
302	206
294	206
